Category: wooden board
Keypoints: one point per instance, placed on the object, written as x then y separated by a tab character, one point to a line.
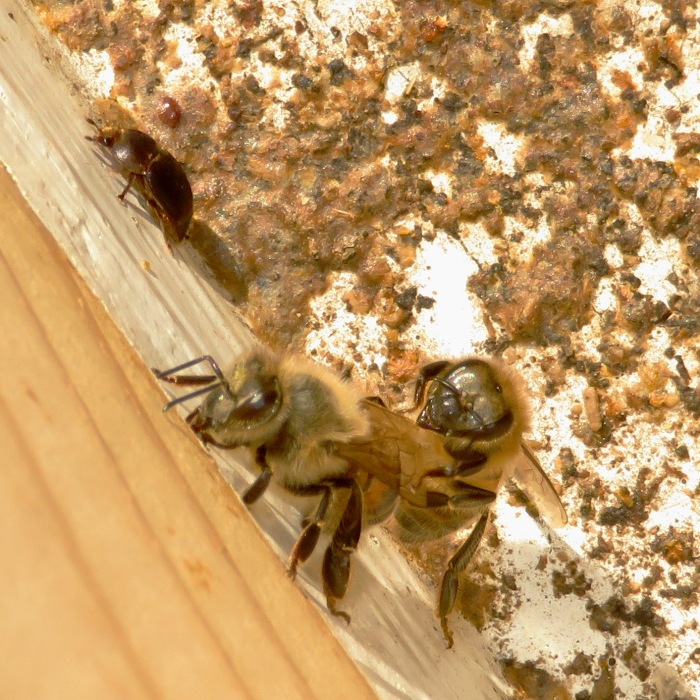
130	568
170	311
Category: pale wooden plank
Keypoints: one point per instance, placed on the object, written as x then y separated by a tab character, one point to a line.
44	595
155	533
170	313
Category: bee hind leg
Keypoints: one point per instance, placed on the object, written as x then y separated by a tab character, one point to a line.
450	579
336	561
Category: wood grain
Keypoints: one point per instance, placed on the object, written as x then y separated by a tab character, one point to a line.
130	569
170	311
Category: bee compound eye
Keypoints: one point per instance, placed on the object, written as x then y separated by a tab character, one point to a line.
258	401
442	411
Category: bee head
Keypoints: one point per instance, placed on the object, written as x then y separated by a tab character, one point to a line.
250	397
466	400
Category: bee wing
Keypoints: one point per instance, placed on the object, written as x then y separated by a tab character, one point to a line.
396	451
538	488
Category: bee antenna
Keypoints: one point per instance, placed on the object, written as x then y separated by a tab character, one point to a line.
446	384
193	394
191	363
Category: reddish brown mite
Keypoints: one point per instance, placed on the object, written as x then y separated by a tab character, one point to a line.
155	175
169	112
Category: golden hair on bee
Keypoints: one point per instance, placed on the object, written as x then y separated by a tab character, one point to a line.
447	467
289	411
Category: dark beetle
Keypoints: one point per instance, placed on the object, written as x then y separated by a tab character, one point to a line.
155	174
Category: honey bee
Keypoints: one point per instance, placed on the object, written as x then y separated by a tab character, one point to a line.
446	468
311	432
289	411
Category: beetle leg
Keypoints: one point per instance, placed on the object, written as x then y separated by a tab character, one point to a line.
450	579
129	182
336	561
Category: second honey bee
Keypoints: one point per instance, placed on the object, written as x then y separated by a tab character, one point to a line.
447	467
437	475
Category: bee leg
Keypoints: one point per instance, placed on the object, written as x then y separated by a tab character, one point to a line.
259	486
468	465
308	539
200	426
466	496
336	561
450	579
426	374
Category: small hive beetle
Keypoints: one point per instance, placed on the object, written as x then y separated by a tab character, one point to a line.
155	174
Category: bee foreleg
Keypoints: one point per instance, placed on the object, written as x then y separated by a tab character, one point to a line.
336	561
426	374
466	495
259	486
467	466
450	579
